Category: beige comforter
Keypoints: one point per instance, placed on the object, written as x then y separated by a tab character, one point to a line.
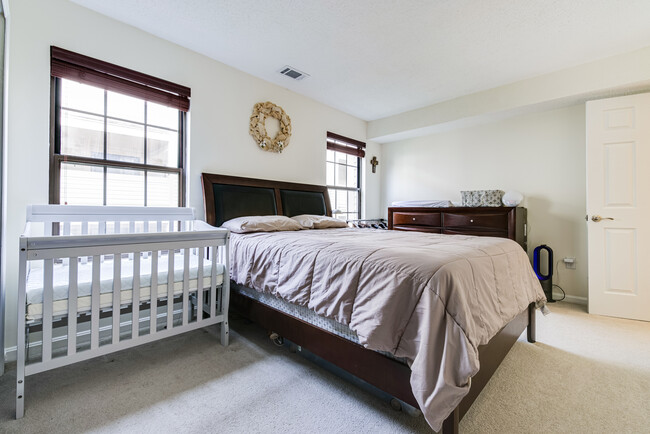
432	299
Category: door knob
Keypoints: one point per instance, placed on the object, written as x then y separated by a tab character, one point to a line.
597	218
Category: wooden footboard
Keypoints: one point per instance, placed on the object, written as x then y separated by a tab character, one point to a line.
383	372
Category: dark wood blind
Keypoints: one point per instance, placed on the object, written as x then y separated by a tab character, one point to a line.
84	69
336	142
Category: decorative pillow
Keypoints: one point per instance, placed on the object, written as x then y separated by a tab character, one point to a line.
482	197
265	223
311	221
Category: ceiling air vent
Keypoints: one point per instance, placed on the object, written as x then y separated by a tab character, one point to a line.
292	72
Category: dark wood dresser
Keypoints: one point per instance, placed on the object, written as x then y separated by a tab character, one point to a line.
506	222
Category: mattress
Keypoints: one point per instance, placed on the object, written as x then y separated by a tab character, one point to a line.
307	315
84	283
301	312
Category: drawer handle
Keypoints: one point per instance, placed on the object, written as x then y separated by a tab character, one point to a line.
471	221
413	218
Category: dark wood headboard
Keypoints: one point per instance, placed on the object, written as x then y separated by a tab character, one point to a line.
228	197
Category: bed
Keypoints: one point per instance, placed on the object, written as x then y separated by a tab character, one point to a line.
435	331
95	280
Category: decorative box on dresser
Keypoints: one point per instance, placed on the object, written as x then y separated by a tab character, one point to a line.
506	222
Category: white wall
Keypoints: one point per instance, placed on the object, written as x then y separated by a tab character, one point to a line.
221	104
617	75
372	182
541	155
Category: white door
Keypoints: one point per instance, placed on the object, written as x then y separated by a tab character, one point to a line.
618	206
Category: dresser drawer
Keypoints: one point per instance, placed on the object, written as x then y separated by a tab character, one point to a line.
478	221
501	222
416	219
478	233
418	228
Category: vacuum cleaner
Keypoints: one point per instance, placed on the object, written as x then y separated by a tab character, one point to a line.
545	279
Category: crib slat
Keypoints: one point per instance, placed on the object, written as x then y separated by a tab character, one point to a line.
186	284
84	231
116	227
47	228
48	301
225	293
159	226
145	228
66	232
131	231
153	296
117	292
72	306
213	284
94	303
170	290
135	318
102	227
171	226
199	286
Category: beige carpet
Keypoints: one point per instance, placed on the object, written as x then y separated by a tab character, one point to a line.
586	374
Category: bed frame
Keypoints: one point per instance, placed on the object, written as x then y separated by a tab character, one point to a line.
227	197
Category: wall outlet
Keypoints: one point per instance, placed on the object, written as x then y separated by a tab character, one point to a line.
570	263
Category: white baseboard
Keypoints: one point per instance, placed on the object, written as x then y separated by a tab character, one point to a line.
10	354
570	298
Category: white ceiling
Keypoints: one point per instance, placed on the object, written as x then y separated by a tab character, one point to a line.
377	58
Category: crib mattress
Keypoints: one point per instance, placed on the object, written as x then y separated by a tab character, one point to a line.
84	283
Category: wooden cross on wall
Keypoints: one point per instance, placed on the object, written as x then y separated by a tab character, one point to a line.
374	162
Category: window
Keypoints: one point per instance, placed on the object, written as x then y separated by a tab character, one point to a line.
118	135
344	175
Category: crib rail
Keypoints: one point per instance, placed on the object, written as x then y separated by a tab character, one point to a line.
88	244
84	220
177	281
80	213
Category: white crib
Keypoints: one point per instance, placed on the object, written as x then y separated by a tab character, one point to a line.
87	275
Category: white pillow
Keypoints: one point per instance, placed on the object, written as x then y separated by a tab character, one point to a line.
266	223
310	221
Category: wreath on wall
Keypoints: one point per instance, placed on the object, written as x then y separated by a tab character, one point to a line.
261	111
